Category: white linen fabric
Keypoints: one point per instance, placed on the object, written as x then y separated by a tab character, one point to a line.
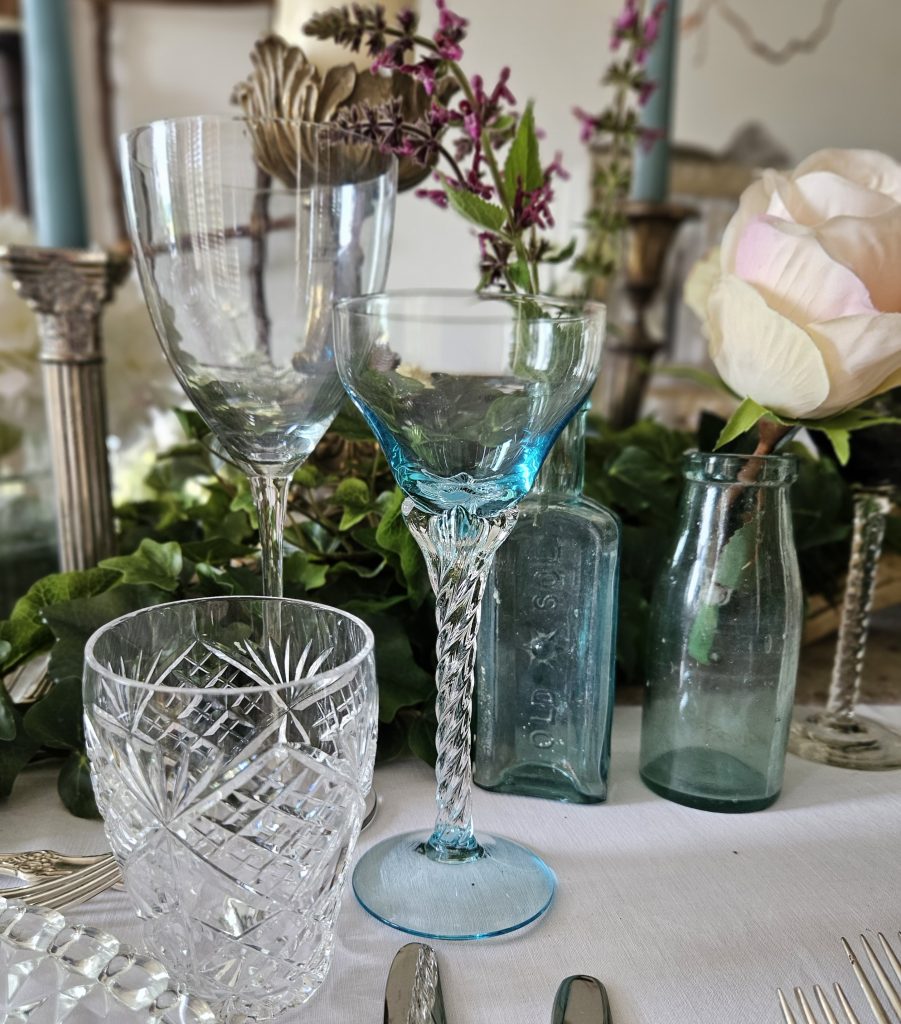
684	915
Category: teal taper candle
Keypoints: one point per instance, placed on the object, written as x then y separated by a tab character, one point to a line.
57	197
650	166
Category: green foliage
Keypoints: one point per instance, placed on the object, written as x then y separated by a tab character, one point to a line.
346	545
475	209
522	168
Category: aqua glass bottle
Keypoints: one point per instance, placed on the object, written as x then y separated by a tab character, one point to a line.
545	671
724	637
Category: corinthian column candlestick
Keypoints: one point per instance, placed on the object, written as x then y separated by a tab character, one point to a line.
67	289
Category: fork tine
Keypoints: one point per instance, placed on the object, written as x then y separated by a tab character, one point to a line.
85	892
786	1009
846	1006
884	980
824	1005
864	982
806	1008
890	953
43	892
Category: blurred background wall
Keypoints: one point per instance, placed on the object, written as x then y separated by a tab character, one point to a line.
182	59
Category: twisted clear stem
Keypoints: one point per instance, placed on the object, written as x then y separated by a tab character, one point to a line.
870	509
459	549
270	495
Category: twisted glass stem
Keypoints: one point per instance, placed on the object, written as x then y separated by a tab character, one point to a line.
459	549
870	509
270	495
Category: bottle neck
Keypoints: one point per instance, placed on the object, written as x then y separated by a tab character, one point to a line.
563	471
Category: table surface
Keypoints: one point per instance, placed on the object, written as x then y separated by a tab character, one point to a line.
685	915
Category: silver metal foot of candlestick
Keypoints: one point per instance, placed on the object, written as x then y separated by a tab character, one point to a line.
67	289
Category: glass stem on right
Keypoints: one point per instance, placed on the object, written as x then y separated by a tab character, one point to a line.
270	495
836	735
459	549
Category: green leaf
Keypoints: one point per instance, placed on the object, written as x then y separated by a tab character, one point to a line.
703	632
742	420
56	720
300	569
8	723
523	164
74	786
393	536
10	437
5	649
73	622
307	476
421	737
561	255
520	275
840	440
153	564
355	499
192	423
402	682
349	423
475	209
25	629
15	754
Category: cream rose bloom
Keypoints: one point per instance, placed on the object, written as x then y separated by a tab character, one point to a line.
802	302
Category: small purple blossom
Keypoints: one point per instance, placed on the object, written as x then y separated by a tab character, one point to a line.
451	32
436	195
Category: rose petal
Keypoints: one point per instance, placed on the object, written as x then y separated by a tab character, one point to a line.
871	247
866	167
797	277
762	355
862	355
754	201
813	198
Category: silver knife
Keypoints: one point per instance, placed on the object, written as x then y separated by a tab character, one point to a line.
581	999
413	989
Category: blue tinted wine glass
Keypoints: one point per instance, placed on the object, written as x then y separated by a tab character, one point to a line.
245	231
466	393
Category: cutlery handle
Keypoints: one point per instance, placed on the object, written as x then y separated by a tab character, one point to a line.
581	999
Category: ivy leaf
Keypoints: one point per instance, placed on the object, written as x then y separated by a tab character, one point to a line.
72	623
393	536
153	564
421	737
25	630
703	631
192	423
74	786
349	423
15	754
742	420
354	498
475	209
402	682
8	723
300	569
56	720
523	164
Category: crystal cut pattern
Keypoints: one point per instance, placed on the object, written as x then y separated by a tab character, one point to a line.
232	788
56	973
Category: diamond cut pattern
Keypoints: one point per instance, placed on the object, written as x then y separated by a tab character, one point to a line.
234	811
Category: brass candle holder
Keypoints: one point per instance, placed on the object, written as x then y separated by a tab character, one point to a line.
67	289
629	352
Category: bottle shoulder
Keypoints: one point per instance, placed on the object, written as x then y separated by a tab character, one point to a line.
548	509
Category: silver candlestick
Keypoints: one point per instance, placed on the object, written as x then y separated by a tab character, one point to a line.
67	289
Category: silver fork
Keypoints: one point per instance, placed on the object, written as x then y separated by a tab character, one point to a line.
809	1016
891	993
67	890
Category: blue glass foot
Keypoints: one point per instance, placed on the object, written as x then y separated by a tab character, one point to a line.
506	888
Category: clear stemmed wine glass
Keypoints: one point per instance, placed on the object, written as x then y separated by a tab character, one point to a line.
466	394
245	231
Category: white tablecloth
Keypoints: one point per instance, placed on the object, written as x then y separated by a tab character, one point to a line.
688	917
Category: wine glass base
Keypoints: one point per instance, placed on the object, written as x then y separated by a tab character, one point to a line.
844	743
505	889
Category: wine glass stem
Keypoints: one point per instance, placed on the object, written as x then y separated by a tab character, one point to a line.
459	549
870	509
270	494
